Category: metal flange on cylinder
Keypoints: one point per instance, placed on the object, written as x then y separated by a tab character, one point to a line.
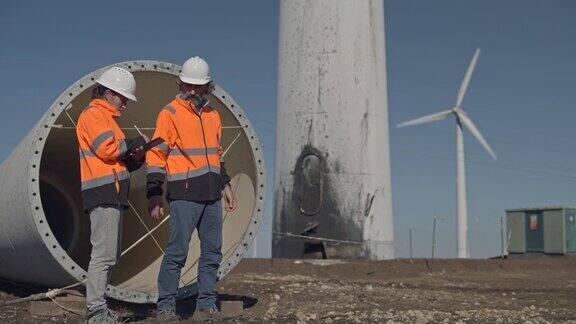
45	236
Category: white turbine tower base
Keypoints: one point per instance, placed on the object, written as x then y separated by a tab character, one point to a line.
462	121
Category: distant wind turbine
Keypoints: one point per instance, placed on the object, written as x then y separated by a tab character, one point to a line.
461	119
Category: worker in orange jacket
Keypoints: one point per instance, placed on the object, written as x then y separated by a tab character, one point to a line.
191	160
106	158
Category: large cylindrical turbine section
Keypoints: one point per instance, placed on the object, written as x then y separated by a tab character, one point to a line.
45	235
332	177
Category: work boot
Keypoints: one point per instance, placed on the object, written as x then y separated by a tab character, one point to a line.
209	315
167	316
104	317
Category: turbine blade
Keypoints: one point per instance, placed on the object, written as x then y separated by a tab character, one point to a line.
427	119
475	132
464	85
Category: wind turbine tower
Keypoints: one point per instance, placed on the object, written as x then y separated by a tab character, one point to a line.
332	176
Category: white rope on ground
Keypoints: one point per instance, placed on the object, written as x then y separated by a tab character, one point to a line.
51	293
313	238
66	308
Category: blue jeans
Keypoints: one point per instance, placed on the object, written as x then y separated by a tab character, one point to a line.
184	217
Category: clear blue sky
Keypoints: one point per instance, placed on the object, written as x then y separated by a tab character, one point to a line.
521	96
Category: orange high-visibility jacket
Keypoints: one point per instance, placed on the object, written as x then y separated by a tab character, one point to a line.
105	178
191	155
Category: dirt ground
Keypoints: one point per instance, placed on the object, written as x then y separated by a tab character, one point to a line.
400	291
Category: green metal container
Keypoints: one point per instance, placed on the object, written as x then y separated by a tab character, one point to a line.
550	230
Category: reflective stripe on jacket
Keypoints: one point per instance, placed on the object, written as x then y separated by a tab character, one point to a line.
190	158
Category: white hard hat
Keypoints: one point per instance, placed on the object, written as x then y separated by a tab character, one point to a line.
195	71
120	81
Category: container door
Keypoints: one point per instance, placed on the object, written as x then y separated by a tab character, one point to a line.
570	231
534	232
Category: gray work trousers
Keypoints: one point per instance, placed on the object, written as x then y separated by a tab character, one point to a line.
106	239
